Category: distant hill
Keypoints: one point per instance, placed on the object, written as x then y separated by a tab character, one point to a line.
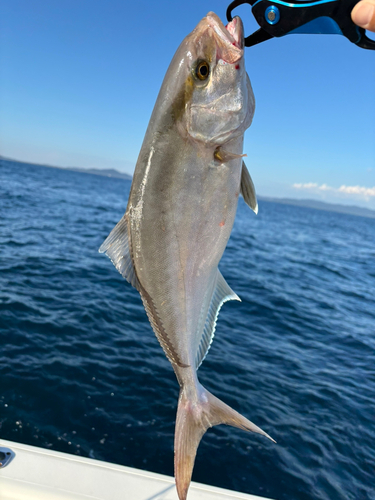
106	172
110	172
321	205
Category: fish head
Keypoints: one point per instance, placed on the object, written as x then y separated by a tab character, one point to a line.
214	101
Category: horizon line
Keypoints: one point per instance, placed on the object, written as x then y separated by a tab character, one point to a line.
368	212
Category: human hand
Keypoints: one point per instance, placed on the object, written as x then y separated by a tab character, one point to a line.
363	14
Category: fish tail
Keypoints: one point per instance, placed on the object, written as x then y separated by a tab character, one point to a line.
193	419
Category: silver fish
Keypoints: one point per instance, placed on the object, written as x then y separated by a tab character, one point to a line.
180	214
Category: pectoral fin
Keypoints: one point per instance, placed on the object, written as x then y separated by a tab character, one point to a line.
223	156
248	189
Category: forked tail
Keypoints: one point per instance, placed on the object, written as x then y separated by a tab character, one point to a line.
193	419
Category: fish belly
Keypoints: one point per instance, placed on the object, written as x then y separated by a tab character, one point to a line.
181	215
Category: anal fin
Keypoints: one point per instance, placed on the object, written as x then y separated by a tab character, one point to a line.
222	292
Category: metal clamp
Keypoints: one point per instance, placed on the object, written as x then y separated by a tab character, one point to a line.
6	456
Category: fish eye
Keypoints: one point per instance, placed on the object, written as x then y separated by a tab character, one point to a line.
202	70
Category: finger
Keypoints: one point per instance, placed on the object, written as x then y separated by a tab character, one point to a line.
363	14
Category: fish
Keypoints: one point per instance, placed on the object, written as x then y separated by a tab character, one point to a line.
180	213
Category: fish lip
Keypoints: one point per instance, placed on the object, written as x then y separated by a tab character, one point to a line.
232	34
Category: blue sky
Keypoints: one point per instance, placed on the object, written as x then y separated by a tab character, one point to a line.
79	78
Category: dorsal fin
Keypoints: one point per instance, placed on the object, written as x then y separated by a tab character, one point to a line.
117	247
248	189
221	293
159	330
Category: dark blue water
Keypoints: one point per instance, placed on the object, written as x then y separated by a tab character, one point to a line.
81	370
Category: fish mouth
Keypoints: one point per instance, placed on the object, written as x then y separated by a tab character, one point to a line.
229	38
235	29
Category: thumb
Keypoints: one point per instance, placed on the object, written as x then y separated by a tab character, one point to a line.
363	14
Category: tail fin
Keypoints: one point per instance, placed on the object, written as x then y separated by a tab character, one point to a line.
193	419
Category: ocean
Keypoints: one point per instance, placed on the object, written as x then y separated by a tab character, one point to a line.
82	372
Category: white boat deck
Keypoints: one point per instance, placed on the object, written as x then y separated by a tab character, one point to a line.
38	474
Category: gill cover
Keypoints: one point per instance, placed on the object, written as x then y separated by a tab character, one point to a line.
221	106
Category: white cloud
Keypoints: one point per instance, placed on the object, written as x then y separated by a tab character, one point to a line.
324	187
361	191
309	185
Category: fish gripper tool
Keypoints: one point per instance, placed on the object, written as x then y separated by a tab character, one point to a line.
277	18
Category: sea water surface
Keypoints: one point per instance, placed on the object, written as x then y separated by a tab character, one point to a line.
82	372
